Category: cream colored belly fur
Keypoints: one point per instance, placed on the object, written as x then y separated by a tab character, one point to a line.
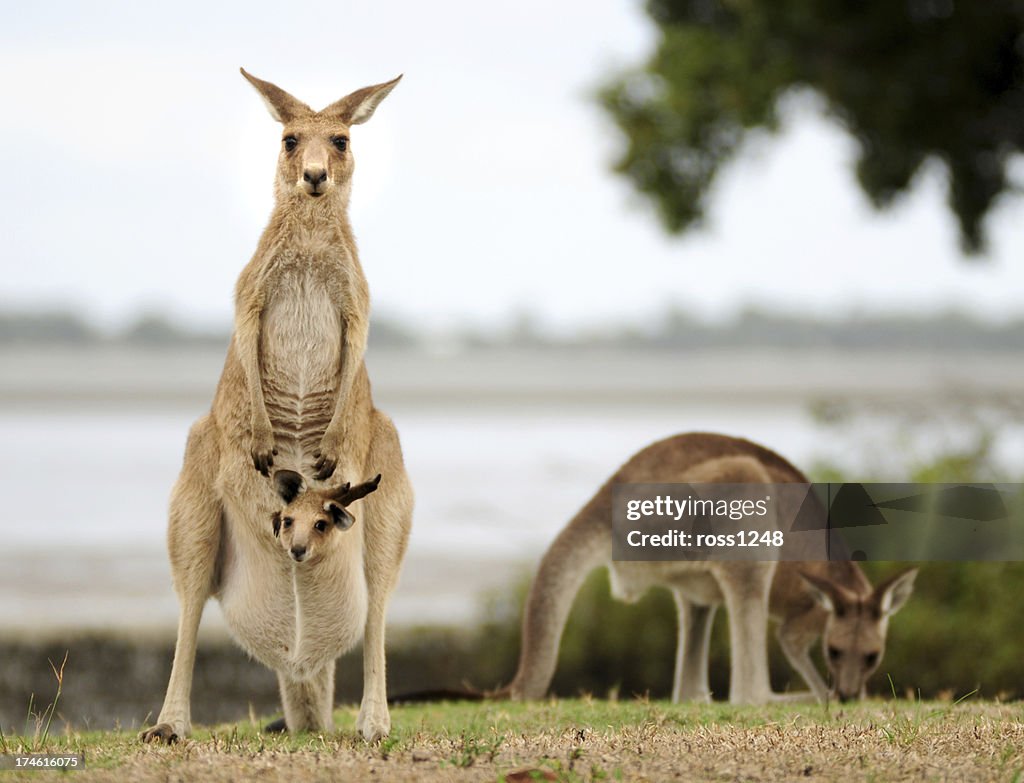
270	614
696	581
292	622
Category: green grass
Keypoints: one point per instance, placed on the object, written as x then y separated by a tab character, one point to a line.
587	740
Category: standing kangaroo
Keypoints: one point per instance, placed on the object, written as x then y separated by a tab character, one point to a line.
811	599
293	393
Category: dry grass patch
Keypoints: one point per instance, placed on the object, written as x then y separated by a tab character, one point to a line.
584	740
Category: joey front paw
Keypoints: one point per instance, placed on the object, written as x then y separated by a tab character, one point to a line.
262	450
327	456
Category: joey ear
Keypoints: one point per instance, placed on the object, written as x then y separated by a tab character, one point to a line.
342	519
350	496
288	484
827	593
890	596
277	523
282	106
358	107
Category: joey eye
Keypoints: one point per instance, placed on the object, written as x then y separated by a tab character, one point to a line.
290	142
870	660
320	525
834	654
287	521
340	143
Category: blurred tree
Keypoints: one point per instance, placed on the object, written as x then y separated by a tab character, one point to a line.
909	79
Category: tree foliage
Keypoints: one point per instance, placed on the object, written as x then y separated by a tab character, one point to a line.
910	80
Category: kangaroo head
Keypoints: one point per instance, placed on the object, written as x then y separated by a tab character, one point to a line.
853	642
312	517
316	154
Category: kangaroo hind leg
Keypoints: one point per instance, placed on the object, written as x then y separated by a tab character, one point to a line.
746	600
193	541
691	676
388	518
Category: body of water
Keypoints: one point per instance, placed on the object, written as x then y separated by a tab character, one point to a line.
501	454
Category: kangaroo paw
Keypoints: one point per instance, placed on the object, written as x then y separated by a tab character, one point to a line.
276	727
162	733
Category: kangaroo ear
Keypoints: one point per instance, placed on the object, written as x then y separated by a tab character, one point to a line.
827	593
282	106
342	519
288	484
358	107
277	523
891	594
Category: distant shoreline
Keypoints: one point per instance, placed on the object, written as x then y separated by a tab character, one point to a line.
64	378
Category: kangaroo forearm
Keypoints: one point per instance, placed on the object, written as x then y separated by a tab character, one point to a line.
256	401
248	355
352	351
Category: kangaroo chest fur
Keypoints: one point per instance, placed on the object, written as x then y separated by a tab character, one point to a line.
294	622
300	360
293	619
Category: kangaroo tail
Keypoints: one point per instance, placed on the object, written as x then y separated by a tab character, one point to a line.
582	546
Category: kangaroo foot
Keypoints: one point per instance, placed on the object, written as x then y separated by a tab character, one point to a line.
373	722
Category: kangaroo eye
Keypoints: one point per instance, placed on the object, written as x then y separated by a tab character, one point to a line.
290	142
321	526
834	654
871	659
340	143
287	521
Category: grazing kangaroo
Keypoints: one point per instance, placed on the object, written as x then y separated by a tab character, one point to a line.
851	618
809	598
293	393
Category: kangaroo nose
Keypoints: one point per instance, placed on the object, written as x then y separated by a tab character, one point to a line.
315	176
298	552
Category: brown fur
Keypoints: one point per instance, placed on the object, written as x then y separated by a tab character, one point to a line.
294	391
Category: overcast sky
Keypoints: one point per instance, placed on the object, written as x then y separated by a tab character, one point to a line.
138	163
